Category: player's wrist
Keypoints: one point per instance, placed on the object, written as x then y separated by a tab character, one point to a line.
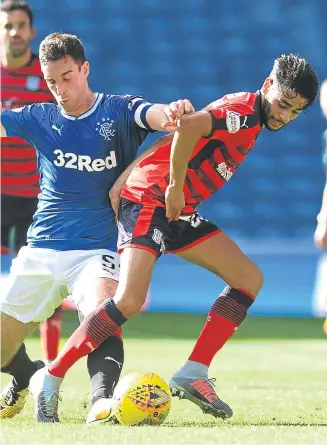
176	185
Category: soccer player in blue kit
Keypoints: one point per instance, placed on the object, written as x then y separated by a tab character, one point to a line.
83	145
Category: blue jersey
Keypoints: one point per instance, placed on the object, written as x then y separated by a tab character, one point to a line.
79	160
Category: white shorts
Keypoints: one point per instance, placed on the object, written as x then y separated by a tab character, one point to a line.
40	279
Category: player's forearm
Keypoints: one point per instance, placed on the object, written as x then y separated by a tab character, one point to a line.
322	215
323	98
156	116
190	129
2	128
2	131
183	145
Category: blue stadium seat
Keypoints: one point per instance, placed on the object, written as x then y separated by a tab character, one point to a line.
202	50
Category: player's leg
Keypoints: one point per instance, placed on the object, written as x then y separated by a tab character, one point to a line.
99	325
140	251
105	363
15	362
220	255
135	271
25	300
50	331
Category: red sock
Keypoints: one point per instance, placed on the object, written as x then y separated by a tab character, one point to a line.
93	331
226	314
50	335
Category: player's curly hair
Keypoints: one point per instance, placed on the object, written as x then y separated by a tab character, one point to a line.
58	45
293	74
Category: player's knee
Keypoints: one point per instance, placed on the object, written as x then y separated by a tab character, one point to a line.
130	304
253	280
6	357
250	279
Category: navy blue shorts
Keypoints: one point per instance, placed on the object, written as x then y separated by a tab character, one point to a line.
146	227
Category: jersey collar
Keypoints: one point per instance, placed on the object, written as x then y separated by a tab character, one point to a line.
86	113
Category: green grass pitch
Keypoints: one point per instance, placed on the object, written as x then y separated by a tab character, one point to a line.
273	373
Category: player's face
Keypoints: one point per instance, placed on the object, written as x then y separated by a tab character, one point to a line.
16	33
67	81
279	107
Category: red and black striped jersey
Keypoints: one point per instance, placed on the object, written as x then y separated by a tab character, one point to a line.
19	87
237	122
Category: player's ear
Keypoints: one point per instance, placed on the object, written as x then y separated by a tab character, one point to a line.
33	33
86	69
267	84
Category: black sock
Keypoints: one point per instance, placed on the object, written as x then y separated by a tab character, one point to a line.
105	365
21	368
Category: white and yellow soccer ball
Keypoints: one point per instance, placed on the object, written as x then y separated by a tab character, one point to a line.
141	398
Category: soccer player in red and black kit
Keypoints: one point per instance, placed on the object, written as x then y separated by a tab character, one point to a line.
21	83
158	214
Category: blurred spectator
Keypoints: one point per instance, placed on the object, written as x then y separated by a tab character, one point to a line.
320	235
22	83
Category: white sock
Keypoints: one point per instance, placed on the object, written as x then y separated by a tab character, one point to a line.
192	370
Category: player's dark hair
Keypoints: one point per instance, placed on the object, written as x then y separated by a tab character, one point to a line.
15	5
294	74
58	45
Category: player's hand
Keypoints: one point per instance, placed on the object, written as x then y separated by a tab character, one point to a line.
114	196
175	111
320	236
175	202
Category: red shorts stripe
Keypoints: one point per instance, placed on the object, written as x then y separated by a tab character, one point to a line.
143	221
195	243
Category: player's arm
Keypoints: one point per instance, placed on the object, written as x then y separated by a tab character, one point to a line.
320	235
321	229
323	97
164	117
115	191
189	130
3	130
23	122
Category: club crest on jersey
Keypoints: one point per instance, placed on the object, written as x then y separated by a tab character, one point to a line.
32	83
104	127
233	121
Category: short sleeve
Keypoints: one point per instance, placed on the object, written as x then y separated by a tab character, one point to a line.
137	110
24	122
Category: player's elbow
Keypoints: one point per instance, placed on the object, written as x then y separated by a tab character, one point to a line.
197	124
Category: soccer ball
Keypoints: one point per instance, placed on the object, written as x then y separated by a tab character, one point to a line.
141	398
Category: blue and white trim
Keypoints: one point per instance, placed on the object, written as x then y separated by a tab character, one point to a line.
139	108
87	113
